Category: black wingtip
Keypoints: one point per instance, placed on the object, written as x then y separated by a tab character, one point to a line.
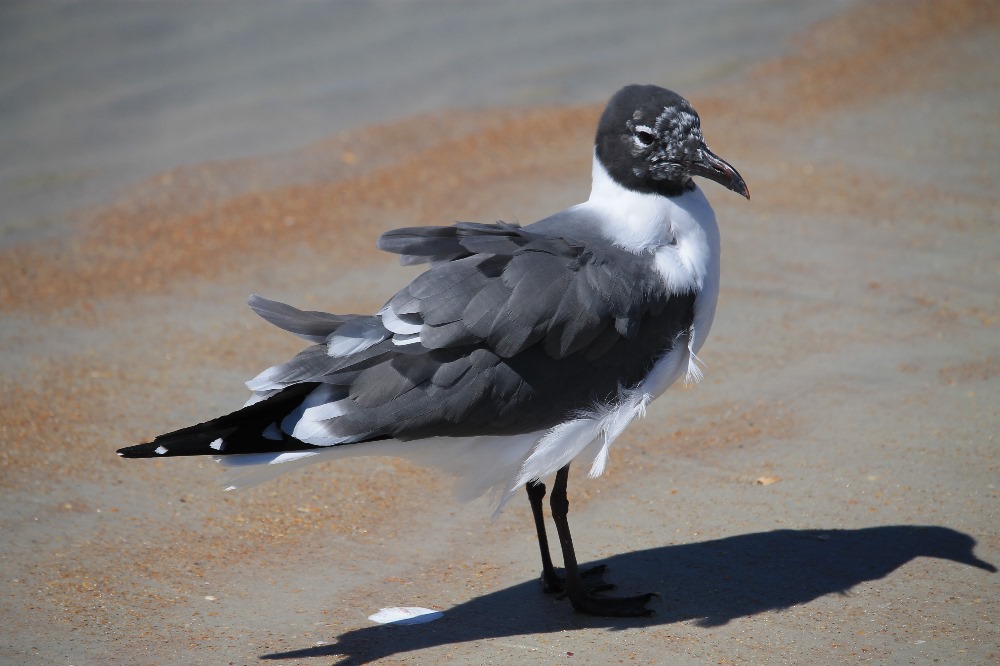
140	451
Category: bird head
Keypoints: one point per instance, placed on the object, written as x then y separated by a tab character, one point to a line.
649	139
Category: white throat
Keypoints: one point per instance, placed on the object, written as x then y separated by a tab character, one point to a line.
632	220
645	222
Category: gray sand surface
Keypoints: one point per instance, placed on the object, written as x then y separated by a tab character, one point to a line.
827	495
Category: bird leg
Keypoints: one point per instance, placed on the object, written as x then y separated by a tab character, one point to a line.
552	581
582	599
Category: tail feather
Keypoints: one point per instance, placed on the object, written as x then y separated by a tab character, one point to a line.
246	430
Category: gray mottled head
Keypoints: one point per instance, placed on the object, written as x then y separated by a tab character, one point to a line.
649	139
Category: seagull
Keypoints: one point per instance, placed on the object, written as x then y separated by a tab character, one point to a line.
519	350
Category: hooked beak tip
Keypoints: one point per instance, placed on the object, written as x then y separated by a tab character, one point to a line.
715	168
742	189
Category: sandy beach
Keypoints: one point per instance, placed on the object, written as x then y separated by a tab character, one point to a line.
827	495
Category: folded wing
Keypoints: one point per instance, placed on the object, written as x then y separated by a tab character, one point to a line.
507	332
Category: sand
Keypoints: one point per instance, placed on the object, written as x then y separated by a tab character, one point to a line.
827	495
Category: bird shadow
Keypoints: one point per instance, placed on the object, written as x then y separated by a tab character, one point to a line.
711	582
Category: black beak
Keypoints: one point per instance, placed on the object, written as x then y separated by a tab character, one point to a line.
715	168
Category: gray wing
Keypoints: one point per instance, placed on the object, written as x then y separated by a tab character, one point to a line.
509	288
506	332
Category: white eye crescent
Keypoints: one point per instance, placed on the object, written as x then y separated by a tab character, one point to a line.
644	136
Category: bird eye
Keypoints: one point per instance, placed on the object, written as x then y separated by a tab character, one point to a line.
644	137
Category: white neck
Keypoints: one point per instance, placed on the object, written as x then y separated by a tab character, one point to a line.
632	220
646	222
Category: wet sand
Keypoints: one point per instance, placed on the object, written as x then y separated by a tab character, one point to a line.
827	495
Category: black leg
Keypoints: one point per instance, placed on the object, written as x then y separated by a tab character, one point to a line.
551	581
579	596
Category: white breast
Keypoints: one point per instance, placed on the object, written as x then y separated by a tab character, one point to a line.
692	262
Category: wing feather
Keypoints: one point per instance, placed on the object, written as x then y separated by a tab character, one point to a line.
311	325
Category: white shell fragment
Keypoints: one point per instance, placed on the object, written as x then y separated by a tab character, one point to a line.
405	615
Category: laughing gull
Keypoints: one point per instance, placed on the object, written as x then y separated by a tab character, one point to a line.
519	350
